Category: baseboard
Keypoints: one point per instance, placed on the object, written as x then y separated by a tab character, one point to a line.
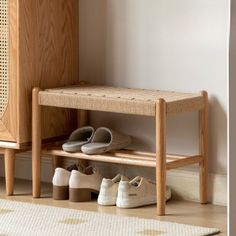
185	184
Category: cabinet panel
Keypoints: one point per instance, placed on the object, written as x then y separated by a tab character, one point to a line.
48	57
8	69
39	47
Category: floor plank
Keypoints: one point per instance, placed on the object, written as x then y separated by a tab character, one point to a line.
177	211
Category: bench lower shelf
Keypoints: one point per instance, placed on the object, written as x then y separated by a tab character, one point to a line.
128	157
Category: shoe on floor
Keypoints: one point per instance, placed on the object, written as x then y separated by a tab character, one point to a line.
60	182
138	192
109	190
105	140
82	185
78	138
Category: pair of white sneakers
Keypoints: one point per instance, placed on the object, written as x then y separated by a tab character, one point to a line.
76	185
123	193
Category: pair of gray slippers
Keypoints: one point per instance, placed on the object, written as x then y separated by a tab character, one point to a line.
89	141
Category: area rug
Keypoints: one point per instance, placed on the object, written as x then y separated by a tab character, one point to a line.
26	219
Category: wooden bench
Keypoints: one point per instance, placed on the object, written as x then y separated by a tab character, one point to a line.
154	103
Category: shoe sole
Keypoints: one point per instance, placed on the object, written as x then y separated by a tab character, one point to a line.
81	194
60	192
106	201
138	203
132	203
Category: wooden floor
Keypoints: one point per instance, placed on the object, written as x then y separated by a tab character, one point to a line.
177	211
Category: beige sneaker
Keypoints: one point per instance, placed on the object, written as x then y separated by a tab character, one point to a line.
109	190
138	192
82	185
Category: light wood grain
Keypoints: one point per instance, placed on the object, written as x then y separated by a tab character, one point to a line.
173	164
83	120
12	145
4	132
161	155
125	157
137	102
36	142
83	115
57	161
203	149
48	57
9	157
43	51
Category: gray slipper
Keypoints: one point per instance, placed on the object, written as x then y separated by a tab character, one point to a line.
105	140
78	138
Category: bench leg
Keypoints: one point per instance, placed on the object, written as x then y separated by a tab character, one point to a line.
161	156
36	143
57	161
203	149
83	120
9	158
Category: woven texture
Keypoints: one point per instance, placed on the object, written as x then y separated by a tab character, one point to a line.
125	93
3	56
24	219
121	100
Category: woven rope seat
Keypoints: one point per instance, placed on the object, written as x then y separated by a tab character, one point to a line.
121	100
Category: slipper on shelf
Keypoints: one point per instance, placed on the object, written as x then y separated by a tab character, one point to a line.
105	140
78	138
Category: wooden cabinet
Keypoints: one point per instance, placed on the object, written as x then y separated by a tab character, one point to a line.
39	47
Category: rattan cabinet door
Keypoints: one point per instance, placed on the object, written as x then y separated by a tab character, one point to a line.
8	116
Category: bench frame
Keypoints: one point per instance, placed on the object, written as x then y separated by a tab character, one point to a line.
160	160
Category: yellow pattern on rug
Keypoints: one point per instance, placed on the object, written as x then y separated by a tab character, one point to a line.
4	211
71	221
151	232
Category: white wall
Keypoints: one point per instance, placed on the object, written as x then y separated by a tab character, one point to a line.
162	44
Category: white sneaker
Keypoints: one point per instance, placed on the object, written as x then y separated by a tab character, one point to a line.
60	184
109	190
138	192
81	185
